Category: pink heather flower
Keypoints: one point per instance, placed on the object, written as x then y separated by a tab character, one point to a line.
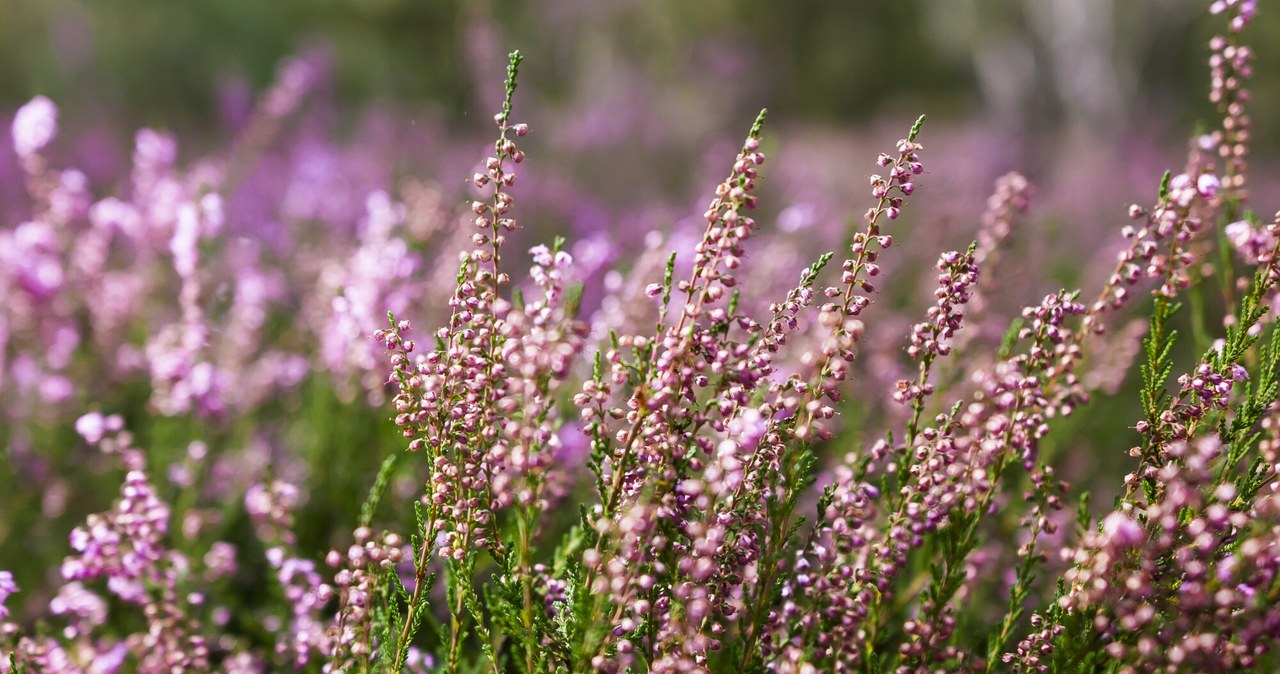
34	255
541	255
153	150
91	427
1208	185
109	660
186	236
1122	531
7	587
79	606
215	217
1246	10
419	661
1239	232
1182	190
220	561
1249	241
34	126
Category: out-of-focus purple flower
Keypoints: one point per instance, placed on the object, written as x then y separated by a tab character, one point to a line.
35	126
419	661
32	251
1249	241
1208	185
1122	531
91	427
7	587
1183	189
220	561
110	659
83	609
153	150
1245	9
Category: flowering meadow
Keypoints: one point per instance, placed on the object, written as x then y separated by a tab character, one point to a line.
262	415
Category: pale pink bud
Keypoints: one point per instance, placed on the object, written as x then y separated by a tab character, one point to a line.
34	126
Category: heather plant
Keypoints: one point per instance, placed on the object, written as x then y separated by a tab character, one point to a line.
689	479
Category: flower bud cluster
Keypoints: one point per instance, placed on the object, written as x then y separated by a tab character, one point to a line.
719	546
270	508
1201	392
671	367
839	317
7	588
540	341
954	467
825	602
360	587
1250	243
1159	249
445	406
785	317
932	338
354	292
127	547
720	252
448	400
627	577
1230	67
1034	653
1011	198
713	536
305	636
1175	580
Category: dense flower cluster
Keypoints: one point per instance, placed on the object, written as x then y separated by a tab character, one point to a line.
682	482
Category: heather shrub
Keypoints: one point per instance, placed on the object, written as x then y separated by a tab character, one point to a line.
686	470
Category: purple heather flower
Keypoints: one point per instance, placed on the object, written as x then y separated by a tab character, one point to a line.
82	608
34	126
91	427
7	587
1208	185
1249	242
1122	531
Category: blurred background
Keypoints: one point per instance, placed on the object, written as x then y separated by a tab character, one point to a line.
1032	65
658	81
633	103
302	109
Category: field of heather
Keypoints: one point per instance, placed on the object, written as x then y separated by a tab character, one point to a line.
568	336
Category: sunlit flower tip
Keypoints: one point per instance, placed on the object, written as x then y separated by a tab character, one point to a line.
1208	185
1122	530
34	126
91	427
653	289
